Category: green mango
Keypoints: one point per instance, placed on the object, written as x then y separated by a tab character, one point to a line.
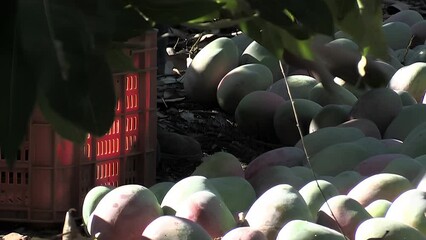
414	144
91	200
275	208
378	208
410	208
241	81
386	229
160	189
315	193
304	230
411	78
184	188
397	34
328	136
386	186
285	124
173	227
237	193
219	164
409	118
207	69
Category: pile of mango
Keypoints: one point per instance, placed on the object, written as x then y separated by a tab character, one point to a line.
358	173
368	193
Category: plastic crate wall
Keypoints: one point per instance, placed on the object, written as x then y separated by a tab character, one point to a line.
53	175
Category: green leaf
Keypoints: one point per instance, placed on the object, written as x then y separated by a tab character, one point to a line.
72	74
313	15
367	32
119	62
176	11
276	39
17	95
274	11
62	126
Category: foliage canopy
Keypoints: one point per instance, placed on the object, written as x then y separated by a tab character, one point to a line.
59	55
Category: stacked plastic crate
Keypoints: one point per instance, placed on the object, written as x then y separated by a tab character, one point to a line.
53	175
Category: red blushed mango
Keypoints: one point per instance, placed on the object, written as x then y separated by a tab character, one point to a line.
244	233
386	186
375	164
208	211
172	227
342	212
124	213
284	156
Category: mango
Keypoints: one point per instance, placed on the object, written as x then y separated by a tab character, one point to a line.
254	115
380	105
241	81
160	189
256	53
173	227
410	208
178	144
413	145
242	41
403	54
207	69
397	34
392	145
209	212
315	193
219	164
272	176
421	159
330	116
409	118
419	33
368	127
124	213
406	98
344	43
378	208
373	145
339	157
300	86
339	95
285	123
406	167
182	190
386	229
418	55
304	230
386	186
275	208
91	200
407	16
305	173
411	79
237	193
342	213
375	164
284	156
346	180
244	233
328	136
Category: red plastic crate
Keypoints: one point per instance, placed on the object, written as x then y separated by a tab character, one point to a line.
53	175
